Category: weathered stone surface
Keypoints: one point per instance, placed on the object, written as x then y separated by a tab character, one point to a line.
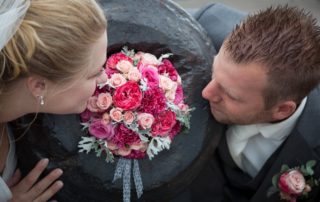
155	26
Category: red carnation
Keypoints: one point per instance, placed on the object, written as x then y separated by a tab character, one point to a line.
167	67
136	154
128	96
163	123
175	130
153	101
124	136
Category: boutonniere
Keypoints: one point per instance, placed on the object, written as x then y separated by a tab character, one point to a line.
294	183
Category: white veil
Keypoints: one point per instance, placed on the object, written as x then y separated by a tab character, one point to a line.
11	15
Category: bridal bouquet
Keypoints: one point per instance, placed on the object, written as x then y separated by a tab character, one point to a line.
138	111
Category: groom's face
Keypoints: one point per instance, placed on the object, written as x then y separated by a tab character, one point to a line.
235	92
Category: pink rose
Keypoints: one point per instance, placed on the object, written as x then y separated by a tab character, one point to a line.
145	120
117	80
115	58
100	130
128	117
116	114
111	145
134	75
104	101
124	66
292	182
128	96
123	151
150	74
149	59
92	104
163	123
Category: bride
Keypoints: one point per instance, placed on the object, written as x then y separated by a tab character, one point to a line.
51	58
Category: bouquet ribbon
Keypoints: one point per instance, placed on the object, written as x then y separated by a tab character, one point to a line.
123	170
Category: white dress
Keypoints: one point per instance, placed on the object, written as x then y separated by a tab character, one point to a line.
11	162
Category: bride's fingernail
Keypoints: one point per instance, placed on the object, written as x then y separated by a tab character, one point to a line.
58	171
44	161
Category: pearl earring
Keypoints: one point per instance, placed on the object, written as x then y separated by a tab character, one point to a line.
41	100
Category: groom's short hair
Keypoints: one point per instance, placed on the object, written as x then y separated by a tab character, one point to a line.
285	41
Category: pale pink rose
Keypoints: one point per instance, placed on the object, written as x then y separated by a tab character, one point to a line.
117	80
138	55
292	182
134	75
92	104
124	66
123	151
149	59
111	145
166	83
104	101
183	107
145	120
171	94
128	117
139	146
116	114
105	119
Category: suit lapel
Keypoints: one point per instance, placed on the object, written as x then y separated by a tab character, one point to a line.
298	148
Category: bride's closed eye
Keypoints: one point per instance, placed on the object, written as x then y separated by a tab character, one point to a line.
99	73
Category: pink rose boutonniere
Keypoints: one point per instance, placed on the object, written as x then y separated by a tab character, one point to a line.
294	183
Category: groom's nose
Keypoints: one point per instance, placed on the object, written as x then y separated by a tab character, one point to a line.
211	92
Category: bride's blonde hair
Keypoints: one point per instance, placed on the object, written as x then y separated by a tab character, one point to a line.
53	41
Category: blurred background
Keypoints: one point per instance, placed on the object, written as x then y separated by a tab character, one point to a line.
312	6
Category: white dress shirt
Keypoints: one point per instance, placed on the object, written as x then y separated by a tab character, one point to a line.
251	145
5	193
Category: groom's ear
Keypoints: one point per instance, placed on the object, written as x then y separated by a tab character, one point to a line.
283	110
36	85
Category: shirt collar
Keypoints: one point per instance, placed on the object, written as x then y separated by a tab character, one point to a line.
277	131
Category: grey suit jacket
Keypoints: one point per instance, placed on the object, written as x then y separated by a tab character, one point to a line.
302	145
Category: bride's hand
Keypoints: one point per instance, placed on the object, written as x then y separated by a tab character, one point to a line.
30	189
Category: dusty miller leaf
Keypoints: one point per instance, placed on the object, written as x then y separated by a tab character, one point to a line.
158	144
86	144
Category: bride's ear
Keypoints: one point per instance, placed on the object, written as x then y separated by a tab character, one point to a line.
36	85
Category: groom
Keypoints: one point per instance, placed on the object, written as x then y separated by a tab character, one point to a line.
265	88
